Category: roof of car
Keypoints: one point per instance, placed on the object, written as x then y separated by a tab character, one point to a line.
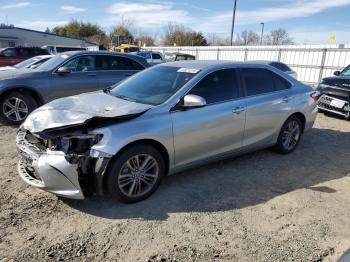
204	64
265	62
135	57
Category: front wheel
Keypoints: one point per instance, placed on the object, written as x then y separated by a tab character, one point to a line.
289	136
135	174
15	107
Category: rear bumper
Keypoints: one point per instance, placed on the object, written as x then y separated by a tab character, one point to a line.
49	170
324	103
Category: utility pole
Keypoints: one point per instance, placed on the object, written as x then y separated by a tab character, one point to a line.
262	32
233	20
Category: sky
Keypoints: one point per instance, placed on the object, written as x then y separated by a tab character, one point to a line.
307	21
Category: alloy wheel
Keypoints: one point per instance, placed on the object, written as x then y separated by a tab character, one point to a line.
138	175
291	135
15	109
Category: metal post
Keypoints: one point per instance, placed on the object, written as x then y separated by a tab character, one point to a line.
262	33
246	54
279	55
218	55
233	20
322	64
197	54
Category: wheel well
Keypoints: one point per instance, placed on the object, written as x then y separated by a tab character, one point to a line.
151	142
38	99
301	118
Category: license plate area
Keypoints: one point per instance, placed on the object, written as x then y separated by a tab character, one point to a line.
337	103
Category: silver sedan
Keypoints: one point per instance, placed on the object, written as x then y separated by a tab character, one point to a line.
124	140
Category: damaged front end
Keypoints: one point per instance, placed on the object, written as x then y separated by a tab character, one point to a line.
65	165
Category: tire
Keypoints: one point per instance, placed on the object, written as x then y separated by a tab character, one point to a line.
282	142
121	178
21	106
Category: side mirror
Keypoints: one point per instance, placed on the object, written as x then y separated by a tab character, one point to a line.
63	70
193	101
336	73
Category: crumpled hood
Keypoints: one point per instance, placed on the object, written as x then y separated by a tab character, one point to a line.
75	110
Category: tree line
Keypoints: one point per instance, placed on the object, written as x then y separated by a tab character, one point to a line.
173	34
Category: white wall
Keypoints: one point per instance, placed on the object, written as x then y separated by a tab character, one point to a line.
311	62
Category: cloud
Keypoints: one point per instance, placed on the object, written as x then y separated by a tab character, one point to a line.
16	5
300	8
69	9
147	14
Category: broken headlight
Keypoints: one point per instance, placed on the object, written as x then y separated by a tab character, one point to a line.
79	144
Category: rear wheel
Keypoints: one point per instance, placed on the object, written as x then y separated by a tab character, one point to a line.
289	136
15	107
135	174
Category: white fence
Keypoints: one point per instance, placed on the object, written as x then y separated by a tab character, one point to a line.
312	63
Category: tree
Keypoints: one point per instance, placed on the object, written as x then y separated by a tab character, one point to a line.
247	38
182	36
145	40
78	29
47	30
123	34
279	37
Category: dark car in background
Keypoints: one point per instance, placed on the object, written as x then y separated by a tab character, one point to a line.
13	55
279	65
334	93
66	74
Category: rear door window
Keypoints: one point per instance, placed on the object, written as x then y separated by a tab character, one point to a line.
261	81
156	56
116	63
218	86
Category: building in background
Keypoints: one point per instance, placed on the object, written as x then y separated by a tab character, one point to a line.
11	36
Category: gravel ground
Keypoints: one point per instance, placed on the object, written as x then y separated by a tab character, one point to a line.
257	207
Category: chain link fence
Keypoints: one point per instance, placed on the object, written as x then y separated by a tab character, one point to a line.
312	63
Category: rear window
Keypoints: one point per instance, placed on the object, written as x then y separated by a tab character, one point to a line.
106	62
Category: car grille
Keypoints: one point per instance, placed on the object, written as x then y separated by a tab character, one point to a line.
325	103
29	149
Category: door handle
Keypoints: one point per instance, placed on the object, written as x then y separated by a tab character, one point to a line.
91	75
128	74
286	99
237	110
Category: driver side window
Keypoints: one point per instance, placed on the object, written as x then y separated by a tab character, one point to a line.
81	64
218	86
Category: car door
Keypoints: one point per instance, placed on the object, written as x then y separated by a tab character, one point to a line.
269	101
82	78
113	68
218	127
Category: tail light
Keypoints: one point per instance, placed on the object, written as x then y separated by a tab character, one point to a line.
315	95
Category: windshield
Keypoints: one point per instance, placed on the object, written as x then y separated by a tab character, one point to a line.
26	63
53	62
346	71
155	85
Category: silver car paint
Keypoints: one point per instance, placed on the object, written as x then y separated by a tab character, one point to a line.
193	136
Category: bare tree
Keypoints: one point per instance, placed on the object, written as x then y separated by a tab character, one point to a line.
247	38
278	37
182	36
216	40
145	39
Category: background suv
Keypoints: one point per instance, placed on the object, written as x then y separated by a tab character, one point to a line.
70	73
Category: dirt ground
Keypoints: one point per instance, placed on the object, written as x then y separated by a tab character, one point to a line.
257	207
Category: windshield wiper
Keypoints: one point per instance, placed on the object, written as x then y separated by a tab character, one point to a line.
107	90
125	98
